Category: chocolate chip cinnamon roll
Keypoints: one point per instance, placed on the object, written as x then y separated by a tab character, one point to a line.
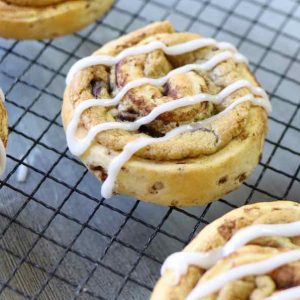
40	19
252	253
3	132
167	117
35	3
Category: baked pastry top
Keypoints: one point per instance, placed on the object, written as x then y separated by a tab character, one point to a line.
34	2
155	82
39	19
252	253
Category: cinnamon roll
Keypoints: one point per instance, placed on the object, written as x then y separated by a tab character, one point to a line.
40	19
167	117
3	132
33	2
253	252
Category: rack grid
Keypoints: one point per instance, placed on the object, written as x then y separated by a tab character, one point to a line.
59	239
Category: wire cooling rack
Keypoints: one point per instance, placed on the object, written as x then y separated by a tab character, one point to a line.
59	238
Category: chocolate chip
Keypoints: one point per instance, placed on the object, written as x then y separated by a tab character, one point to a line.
223	179
166	89
241	177
150	131
156	187
215	49
97	86
100	172
128	116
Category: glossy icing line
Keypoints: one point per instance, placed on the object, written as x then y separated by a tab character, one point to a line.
22	172
144	49
288	294
211	286
180	261
79	146
211	63
2	96
132	147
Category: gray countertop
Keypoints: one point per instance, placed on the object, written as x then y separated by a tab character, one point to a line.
59	239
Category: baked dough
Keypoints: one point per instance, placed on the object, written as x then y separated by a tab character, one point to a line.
192	168
218	233
3	124
34	2
3	132
27	20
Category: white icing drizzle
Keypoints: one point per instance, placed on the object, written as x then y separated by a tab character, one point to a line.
211	63
144	49
179	262
288	294
2	148
2	96
205	288
22	172
134	146
79	146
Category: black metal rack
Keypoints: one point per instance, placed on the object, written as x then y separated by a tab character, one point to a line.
59	238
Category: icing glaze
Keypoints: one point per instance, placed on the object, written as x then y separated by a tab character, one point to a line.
211	63
2	148
2	96
144	49
79	146
288	294
22	172
134	146
205	288
179	262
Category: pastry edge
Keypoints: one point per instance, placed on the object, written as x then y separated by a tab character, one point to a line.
196	181
246	215
49	21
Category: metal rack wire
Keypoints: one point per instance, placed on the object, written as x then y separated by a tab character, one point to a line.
59	238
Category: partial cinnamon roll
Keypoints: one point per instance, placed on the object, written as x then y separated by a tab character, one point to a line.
36	3
40	19
167	117
252	253
3	132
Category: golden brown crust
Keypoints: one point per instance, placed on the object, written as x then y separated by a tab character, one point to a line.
33	2
140	101
3	124
39	22
194	150
218	233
